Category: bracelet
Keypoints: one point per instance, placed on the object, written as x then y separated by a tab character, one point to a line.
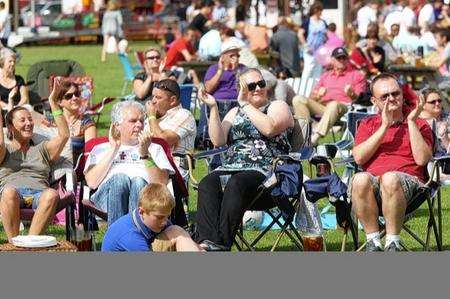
149	163
57	113
144	157
151	117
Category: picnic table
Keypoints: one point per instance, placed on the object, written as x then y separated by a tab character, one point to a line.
412	73
199	66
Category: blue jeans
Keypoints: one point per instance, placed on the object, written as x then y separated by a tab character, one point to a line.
118	196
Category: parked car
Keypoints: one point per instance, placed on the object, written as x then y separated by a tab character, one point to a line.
46	13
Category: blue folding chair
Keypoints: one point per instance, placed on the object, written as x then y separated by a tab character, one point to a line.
128	70
186	95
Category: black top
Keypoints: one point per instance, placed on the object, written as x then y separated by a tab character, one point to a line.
143	76
4	92
199	22
380	64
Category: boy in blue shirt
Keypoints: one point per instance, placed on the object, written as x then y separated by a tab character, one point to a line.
137	230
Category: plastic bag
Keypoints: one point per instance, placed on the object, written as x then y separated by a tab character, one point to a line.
308	218
310	226
111	46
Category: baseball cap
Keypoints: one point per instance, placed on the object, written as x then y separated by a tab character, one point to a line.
230	45
339	52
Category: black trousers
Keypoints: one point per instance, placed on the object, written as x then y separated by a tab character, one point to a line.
219	213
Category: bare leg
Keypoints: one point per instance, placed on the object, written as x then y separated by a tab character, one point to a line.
393	203
45	212
364	203
10	210
181	239
105	43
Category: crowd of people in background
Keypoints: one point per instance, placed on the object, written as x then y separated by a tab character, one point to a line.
246	106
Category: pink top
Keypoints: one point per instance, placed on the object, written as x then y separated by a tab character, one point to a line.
335	84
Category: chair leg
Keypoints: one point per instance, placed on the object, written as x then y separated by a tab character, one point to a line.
124	88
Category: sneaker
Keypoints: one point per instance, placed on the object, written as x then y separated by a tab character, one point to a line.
211	246
392	248
371	247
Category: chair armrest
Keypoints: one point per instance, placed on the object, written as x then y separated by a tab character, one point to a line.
70	181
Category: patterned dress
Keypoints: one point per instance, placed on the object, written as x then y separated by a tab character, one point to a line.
249	149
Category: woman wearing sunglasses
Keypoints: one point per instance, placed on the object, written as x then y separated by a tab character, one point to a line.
153	72
81	126
255	132
436	117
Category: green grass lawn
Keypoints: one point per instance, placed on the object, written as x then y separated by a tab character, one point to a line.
108	81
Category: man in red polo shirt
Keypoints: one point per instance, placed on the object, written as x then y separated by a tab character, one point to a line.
183	48
335	90
393	149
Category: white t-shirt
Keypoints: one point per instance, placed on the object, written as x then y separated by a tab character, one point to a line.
426	15
365	16
127	160
5	21
408	19
391	19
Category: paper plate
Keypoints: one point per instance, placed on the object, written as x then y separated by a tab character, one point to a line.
31	241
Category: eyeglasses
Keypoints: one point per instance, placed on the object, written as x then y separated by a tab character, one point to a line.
394	94
153	57
252	86
68	96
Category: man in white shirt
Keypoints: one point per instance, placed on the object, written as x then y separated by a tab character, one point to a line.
366	15
5	24
408	17
120	168
168	119
426	14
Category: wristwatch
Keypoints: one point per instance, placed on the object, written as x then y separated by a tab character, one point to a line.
144	157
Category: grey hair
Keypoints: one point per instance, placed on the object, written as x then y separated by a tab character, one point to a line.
4	53
118	110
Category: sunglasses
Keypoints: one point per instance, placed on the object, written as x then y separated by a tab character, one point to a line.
68	96
161	85
235	55
153	57
394	94
435	101
252	86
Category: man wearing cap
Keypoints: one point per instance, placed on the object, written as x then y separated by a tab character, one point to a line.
285	42
336	89
221	80
168	120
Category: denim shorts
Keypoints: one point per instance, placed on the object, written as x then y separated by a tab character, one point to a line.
29	198
410	185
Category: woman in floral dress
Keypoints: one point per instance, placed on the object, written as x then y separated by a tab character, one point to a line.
255	133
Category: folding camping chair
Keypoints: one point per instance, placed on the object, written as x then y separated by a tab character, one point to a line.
429	193
128	71
300	139
88	210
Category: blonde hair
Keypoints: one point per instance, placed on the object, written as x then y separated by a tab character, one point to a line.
152	49
156	197
112	5
4	53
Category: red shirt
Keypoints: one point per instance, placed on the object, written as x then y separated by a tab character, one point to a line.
335	84
174	54
394	153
